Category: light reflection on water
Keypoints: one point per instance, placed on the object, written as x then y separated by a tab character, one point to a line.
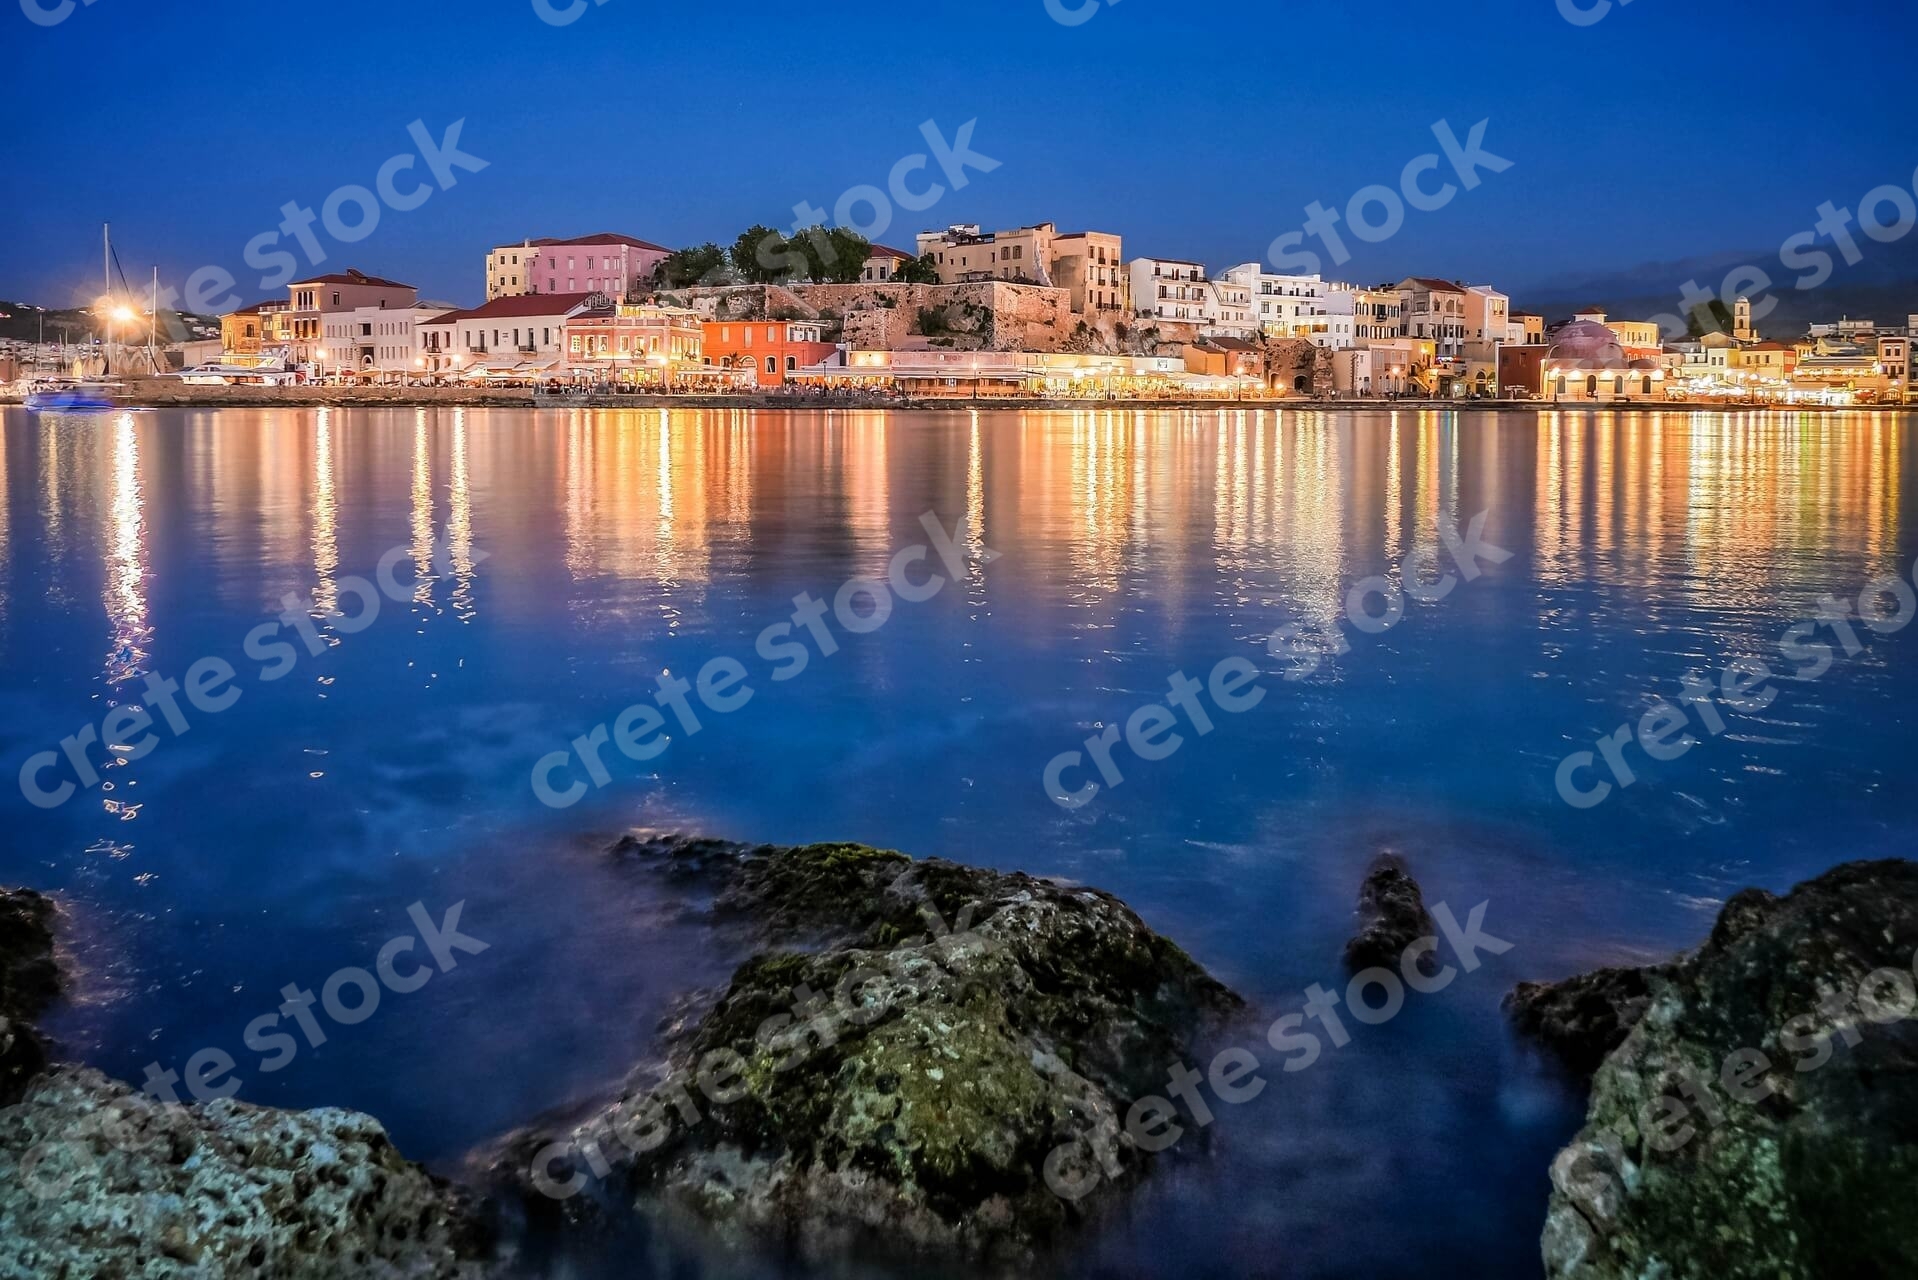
282	839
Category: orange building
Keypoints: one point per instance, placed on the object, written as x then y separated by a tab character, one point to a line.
773	349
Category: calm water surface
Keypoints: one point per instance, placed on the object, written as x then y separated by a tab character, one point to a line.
588	552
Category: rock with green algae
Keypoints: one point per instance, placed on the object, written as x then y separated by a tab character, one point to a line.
908	1088
1748	1127
101	1182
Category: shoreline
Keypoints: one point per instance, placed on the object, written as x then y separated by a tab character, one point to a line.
165	394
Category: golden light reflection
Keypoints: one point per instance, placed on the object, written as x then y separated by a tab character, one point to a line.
459	524
421	517
326	533
128	630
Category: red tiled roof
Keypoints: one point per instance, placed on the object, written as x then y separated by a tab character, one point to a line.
887	251
353	277
1441	286
520	305
609	237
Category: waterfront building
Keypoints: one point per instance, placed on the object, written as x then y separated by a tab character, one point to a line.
964	254
1377	314
1225	357
765	353
377	339
1170	290
1228	310
1433	311
251	332
1404	366
608	263
1525	328
609	342
1894	353
1285	306
942	373
1487	313
1587	363
519	336
317	301
1088	265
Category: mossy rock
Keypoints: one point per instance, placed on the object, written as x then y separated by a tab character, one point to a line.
902	1086
1720	1141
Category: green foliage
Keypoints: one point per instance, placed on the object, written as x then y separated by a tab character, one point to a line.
763	256
684	268
833	255
920	270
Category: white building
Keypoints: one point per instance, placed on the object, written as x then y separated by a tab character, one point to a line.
1283	305
1229	312
1487	314
1170	290
376	339
519	333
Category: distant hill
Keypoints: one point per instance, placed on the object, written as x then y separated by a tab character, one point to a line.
24	322
1882	287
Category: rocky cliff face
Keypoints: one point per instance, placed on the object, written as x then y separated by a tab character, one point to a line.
961	1045
1755	1116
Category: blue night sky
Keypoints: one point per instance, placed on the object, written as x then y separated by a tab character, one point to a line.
1197	130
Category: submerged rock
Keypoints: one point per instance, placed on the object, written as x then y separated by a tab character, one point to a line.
29	982
97	1179
1392	916
1759	1118
963	1034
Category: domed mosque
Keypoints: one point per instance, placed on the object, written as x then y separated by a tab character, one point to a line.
1585	361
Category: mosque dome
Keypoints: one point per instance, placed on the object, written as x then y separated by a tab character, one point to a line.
1586	344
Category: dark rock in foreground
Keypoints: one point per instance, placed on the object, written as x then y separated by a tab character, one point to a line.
903	1089
1759	1119
29	982
99	1180
1392	916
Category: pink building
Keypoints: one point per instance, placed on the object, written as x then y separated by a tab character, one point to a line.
608	263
